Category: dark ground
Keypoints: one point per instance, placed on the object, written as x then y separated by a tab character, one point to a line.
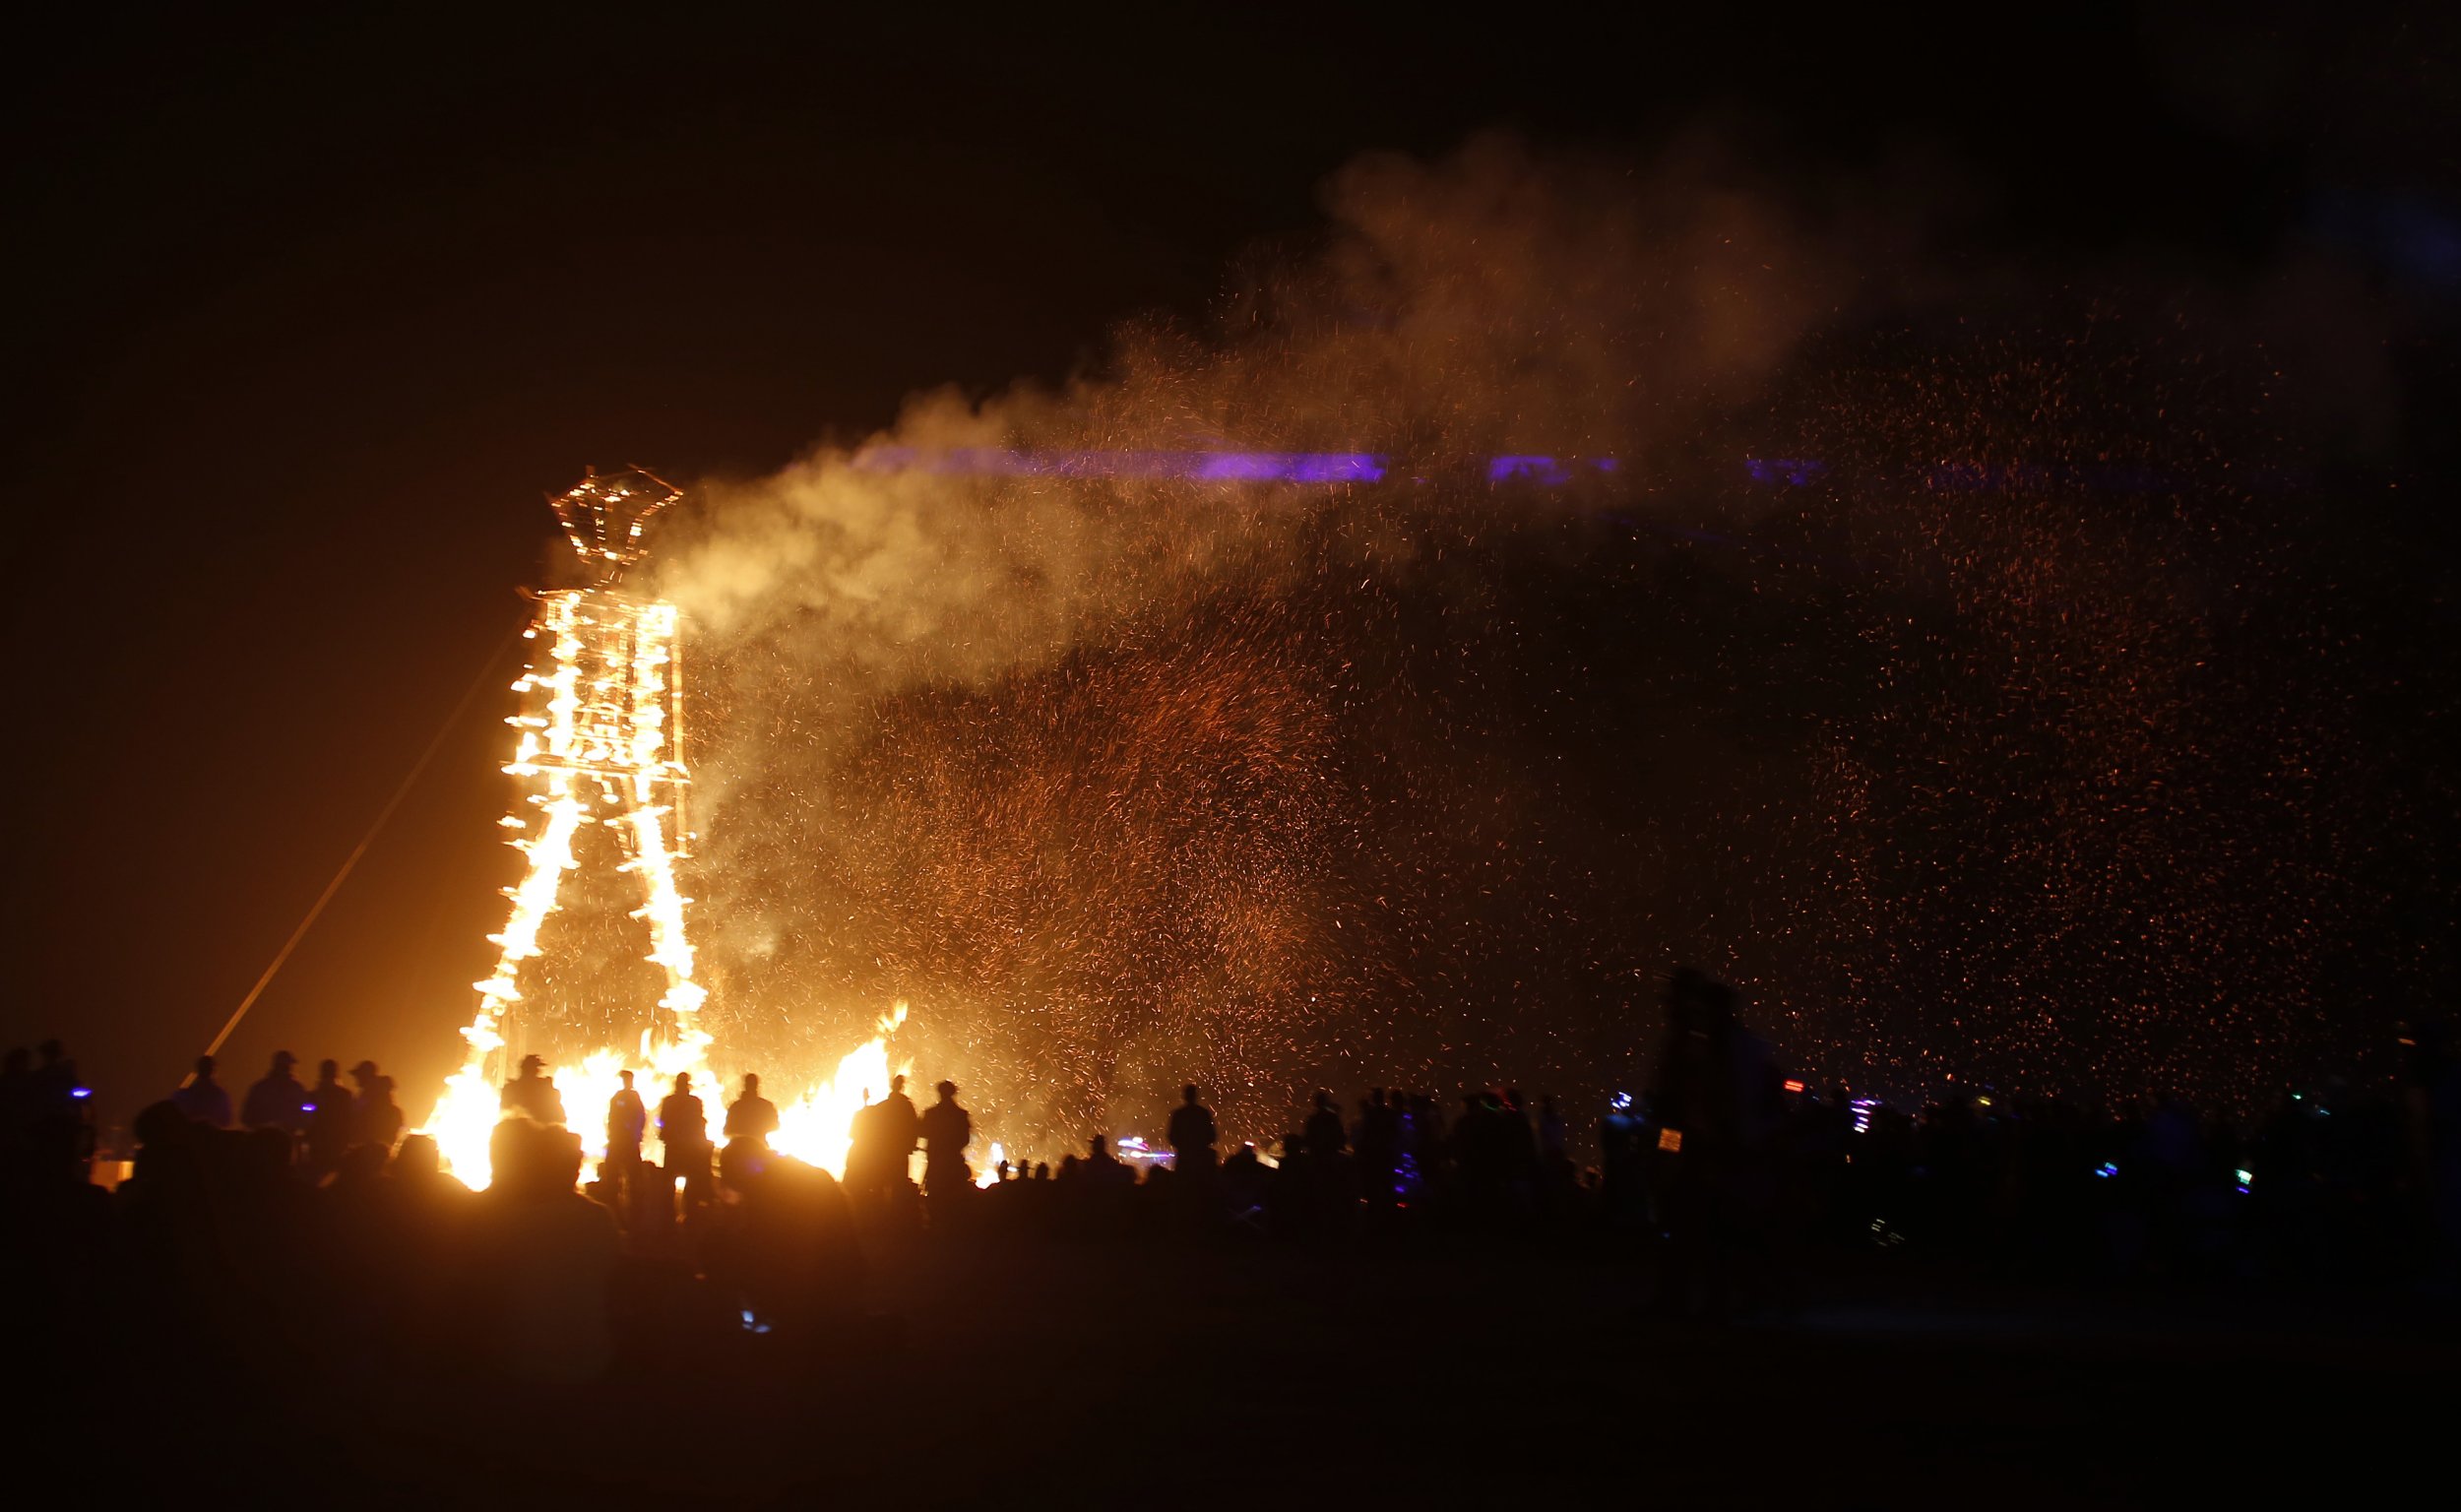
1110	1376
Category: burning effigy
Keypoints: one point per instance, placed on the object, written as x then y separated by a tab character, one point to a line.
599	747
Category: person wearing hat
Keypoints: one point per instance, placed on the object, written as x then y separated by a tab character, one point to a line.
276	1101
378	1120
532	1094
946	1130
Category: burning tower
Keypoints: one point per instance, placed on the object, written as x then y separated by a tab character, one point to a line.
600	742
601	729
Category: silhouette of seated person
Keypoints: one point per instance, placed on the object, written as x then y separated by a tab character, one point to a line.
1103	1167
786	1248
1247	1185
542	1258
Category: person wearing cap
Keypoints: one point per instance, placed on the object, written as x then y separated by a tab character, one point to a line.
532	1094
276	1101
377	1118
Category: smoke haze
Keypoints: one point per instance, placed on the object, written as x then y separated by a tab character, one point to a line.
1925	636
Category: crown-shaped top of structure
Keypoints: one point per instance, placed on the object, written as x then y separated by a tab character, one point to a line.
604	516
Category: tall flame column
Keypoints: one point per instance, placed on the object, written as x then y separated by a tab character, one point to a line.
600	741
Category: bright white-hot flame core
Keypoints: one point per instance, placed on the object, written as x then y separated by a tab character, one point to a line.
600	739
814	1125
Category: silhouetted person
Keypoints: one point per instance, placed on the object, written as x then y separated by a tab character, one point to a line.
946	1131
376	1117
532	1094
203	1100
1550	1128
787	1250
1244	1180
1715	1105
543	1259
417	1172
1103	1167
55	1081
1324	1133
428	1213
1192	1134
332	1119
627	1124
1378	1142
864	1160
901	1129
276	1101
683	1129
751	1116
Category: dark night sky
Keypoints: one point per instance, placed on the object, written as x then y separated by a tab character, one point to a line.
311	315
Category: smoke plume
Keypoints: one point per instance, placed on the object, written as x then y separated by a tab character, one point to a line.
1856	640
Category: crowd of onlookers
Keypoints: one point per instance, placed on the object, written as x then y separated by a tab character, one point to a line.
1721	1185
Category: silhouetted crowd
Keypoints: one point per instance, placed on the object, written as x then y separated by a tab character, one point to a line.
1724	1186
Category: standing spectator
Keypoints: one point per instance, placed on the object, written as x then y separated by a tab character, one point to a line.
627	1124
55	1081
1192	1134
751	1116
900	1130
683	1131
332	1120
946	1131
276	1101
1324	1133
203	1100
377	1120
